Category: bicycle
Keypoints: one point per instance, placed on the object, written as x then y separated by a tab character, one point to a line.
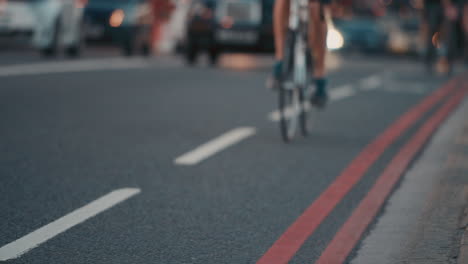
297	63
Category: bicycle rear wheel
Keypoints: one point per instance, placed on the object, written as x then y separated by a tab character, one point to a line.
307	111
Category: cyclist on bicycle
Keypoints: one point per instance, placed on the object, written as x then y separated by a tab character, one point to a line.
317	42
456	12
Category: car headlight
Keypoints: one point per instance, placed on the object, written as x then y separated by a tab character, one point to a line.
117	18
335	39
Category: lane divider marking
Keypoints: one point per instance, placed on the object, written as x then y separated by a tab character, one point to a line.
24	244
342	92
348	236
411	89
214	146
336	94
292	239
370	83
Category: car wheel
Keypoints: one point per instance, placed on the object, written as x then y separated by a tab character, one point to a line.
128	44
127	48
74	51
214	56
146	50
54	45
47	52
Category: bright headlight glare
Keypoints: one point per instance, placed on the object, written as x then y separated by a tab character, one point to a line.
117	18
399	42
335	40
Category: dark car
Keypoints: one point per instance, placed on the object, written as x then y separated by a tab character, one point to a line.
363	34
126	23
217	26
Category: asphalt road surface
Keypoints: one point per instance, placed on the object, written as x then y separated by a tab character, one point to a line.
114	160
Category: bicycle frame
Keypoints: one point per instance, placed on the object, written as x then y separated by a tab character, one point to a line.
299	23
299	13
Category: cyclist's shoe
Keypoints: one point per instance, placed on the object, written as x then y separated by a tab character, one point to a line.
320	97
274	79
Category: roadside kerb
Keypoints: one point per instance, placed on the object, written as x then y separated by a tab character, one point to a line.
463	255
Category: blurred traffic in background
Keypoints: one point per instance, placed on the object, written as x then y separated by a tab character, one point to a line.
192	27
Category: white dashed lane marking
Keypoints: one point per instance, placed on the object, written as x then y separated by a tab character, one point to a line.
370	83
342	92
214	146
18	247
411	88
336	94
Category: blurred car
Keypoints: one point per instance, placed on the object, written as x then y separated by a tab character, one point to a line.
218	26
364	34
59	24
405	37
127	23
52	24
16	18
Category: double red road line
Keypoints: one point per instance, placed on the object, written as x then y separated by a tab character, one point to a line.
350	233
293	238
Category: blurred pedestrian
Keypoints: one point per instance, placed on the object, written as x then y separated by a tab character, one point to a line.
162	10
432	23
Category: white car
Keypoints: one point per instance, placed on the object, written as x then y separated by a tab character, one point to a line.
52	24
16	18
59	25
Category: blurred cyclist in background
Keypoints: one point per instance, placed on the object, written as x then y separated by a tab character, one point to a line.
447	27
455	35
317	41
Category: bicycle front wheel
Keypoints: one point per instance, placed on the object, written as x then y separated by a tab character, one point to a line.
290	112
288	94
303	116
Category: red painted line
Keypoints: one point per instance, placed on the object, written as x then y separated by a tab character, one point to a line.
293	238
350	233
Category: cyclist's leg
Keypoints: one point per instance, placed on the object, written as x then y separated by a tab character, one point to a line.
280	21
317	36
317	41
